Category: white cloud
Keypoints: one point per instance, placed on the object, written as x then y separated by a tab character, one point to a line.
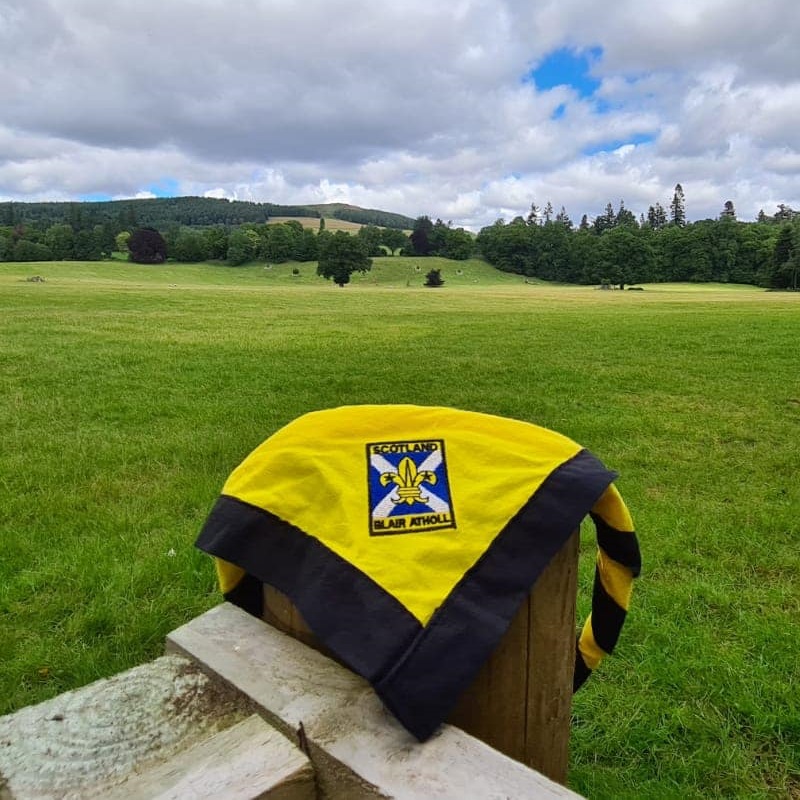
409	106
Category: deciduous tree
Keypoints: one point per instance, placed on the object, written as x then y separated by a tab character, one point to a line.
121	241
393	239
340	255
242	246
372	237
190	247
786	258
61	241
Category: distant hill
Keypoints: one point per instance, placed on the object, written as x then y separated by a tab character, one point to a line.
163	212
364	216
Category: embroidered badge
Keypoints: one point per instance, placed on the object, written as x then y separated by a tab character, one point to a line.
409	491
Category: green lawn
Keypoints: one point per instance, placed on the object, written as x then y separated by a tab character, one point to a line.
128	393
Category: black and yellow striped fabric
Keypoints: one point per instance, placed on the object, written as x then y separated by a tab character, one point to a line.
408	536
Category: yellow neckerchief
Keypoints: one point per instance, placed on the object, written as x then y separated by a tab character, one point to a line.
394	527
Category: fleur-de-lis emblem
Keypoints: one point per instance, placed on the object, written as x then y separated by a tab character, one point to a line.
409	482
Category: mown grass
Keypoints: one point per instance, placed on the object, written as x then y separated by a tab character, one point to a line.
127	395
331	223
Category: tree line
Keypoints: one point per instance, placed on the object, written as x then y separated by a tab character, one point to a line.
617	249
82	238
275	243
614	249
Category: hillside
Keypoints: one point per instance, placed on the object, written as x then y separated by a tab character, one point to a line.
164	212
364	216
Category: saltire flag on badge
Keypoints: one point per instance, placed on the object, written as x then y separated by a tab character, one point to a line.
408	537
408	487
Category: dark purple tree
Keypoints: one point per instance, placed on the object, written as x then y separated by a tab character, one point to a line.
147	246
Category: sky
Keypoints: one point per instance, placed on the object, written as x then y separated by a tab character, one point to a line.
465	110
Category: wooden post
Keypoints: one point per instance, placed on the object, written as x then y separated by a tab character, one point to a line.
520	701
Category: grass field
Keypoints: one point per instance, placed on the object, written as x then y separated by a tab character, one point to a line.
331	223
128	394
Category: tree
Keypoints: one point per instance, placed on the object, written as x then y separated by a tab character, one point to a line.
606	220
279	242
26	250
459	244
786	258
6	245
434	278
438	238
675	262
190	247
61	241
509	247
242	246
372	237
89	244
625	255
784	213
421	236
340	255
306	248
533	215
754	258
393	239
562	218
792	266
677	208
147	246
656	217
624	216
728	211
549	250
216	242
700	252
7	213
725	248
121	241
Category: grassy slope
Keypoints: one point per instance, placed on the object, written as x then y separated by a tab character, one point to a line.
127	394
331	223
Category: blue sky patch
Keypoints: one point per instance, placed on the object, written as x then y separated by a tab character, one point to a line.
565	67
615	144
166	187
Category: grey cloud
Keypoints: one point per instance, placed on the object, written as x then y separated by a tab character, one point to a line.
256	79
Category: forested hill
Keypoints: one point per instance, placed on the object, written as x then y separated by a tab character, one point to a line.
194	212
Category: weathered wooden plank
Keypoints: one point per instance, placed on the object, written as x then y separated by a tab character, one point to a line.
83	743
357	748
250	761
